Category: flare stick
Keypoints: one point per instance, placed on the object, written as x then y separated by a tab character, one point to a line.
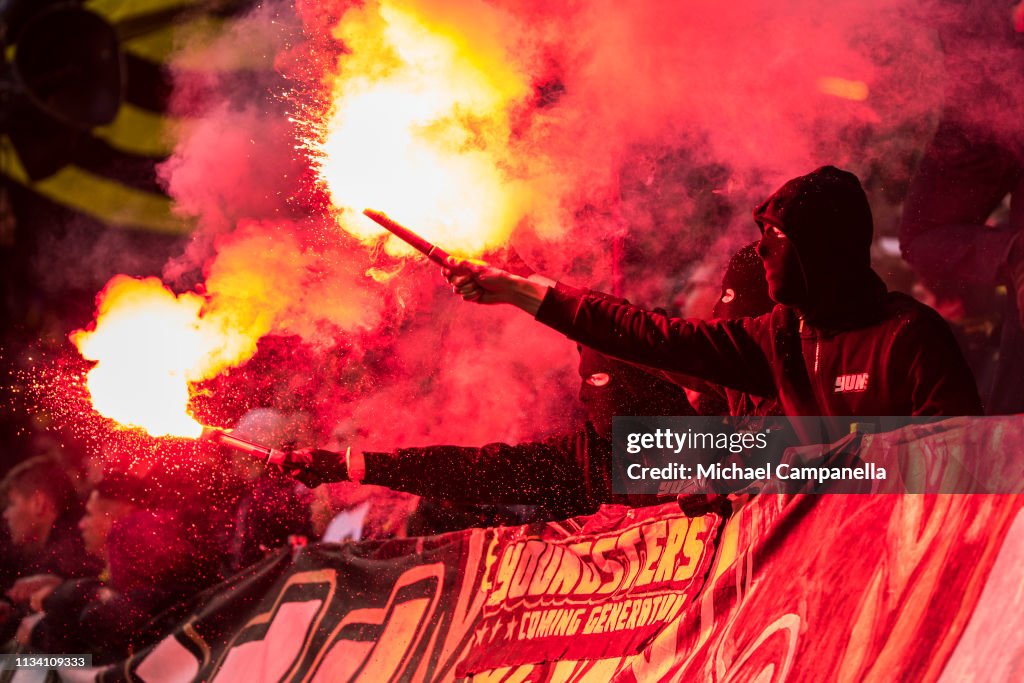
225	438
431	251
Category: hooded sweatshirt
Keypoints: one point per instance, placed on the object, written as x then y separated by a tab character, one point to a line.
849	348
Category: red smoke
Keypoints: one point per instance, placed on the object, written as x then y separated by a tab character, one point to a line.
650	130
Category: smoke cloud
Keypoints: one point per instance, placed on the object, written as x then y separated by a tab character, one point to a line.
646	133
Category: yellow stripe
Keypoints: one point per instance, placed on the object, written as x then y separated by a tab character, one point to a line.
116	10
727	547
138	131
157	46
101	198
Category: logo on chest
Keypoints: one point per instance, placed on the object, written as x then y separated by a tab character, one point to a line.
851	383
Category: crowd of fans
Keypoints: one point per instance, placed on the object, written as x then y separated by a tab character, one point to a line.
86	578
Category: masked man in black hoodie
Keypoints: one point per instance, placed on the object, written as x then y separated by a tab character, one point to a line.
836	343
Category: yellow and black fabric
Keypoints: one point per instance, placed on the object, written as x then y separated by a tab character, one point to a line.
107	173
80	203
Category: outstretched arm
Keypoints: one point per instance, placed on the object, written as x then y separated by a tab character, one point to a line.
731	353
569	470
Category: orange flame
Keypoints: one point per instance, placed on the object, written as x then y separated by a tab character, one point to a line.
149	345
419	129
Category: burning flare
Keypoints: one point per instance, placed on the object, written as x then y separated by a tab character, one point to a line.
419	128
149	345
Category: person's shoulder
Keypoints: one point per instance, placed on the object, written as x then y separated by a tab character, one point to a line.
907	310
917	324
779	318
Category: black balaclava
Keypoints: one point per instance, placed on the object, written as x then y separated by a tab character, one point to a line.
744	288
824	264
611	387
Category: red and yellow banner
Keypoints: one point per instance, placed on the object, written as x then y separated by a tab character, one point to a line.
888	587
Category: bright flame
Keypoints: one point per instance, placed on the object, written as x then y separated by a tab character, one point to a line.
150	345
419	129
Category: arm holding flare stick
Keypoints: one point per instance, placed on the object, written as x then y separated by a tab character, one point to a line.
486	284
311	467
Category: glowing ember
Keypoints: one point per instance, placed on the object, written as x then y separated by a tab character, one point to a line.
420	129
844	88
149	345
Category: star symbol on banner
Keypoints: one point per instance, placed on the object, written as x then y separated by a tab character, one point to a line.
495	629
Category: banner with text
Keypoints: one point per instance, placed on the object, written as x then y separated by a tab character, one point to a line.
772	587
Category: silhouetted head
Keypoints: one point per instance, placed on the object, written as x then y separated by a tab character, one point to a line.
38	493
816	233
611	387
744	287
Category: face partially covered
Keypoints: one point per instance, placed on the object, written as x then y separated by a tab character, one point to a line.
610	387
598	396
787	280
816	235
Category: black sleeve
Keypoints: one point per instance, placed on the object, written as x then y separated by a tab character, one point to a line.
9	623
559	469
726	352
60	630
113	626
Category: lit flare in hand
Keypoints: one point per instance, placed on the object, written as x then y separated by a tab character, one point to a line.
150	345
